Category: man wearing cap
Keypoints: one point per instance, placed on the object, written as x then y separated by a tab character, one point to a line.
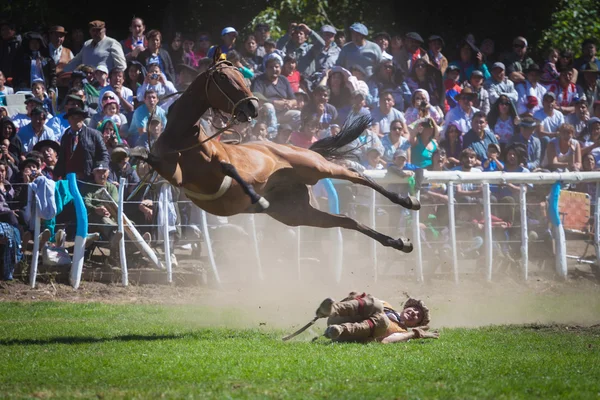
275	87
298	47
60	54
498	84
49	151
327	57
228	36
588	55
437	59
411	52
518	61
360	51
80	147
59	123
527	128
550	119
589	83
383	40
531	92
364	318
262	32
100	49
20	120
475	82
36	130
101	76
462	115
117	86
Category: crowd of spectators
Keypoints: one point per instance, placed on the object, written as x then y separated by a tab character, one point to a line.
434	105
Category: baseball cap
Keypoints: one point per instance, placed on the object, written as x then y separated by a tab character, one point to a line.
359	28
328	29
102	68
101	165
499	65
227	30
400	153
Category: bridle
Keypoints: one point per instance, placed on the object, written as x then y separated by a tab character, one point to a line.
232	121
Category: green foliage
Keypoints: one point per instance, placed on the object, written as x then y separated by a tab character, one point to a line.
572	22
89	350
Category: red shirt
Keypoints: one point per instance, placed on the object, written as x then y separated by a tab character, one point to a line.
300	140
294	79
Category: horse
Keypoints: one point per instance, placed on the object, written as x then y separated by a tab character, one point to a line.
255	177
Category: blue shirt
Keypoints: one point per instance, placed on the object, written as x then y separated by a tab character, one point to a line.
59	125
534	150
479	146
140	120
390	149
29	138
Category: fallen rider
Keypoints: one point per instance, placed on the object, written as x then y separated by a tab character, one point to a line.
364	318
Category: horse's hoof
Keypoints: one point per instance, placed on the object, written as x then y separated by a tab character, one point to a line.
264	203
415	204
402	244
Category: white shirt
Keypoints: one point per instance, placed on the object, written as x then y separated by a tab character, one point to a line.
460	118
550	123
526	89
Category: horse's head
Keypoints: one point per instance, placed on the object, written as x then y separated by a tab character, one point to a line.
227	91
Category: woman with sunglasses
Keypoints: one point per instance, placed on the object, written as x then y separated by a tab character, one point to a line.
565	61
109	107
470	58
501	120
389	78
427	77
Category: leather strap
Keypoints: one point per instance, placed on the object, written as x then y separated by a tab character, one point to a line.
225	185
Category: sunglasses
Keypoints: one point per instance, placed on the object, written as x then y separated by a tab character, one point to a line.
108	98
396	128
518	46
504	103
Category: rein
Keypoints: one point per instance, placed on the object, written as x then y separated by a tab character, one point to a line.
232	121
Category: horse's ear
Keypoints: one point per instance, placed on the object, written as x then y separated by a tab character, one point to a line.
217	54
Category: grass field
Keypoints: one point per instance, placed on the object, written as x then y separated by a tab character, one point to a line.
94	350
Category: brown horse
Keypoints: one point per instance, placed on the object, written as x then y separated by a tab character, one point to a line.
281	174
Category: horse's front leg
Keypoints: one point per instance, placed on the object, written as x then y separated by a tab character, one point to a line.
231	171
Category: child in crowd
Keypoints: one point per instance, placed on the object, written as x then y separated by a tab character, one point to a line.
157	81
259	132
38	89
493	163
373	158
288	69
4	90
155	128
401	166
549	72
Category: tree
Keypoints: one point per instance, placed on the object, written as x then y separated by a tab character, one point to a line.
572	23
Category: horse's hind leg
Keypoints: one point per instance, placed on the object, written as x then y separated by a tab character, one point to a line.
229	170
290	204
339	172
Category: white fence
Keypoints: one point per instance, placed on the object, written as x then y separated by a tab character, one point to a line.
451	178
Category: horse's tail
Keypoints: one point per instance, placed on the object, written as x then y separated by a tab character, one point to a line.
332	147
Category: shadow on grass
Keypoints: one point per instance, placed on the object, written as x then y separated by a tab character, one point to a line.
208	334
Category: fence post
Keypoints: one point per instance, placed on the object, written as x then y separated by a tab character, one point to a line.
81	232
452	227
373	222
211	255
36	246
164	191
417	239
597	224
298	262
256	249
559	232
524	231
336	233
122	255
487	216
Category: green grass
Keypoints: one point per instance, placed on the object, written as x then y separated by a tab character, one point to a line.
65	350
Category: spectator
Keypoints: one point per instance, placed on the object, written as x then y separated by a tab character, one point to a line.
155	54
564	152
550	119
358	107
463	114
59	54
49	150
588	56
479	137
38	89
501	120
468	192
395	140
155	128
469	60
10	43
36	130
141	116
410	52
80	80
373	158
437	59
400	164
76	41
262	32
530	91
549	71
590	139
80	148
385	114
100	77
12	147
383	39
228	36
158	82
565	61
302	51
421	108
340	89
360	51
528	125
274	87
188	56
203	46
518	61
589	83
59	123
307	134
109	129
492	162
4	90
250	56
320	109
110	107
20	120
98	215
499	84
328	55
424	134
178	53
100	49
117	86
565	91
579	119
340	39
134	75
388	78
482	101
136	42
453	145
488	48
121	168
32	62
7	195
284	132
290	71
452	87
28	172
